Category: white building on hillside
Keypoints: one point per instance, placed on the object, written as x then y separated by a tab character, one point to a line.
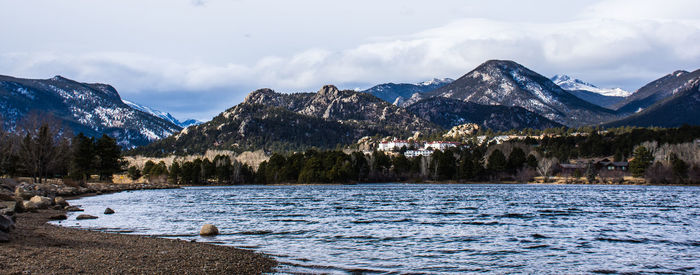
393	145
440	145
415	153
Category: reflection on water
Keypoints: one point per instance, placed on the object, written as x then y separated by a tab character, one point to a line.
397	228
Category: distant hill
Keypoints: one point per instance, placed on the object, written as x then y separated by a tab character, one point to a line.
93	109
398	93
655	91
503	82
293	122
681	107
452	112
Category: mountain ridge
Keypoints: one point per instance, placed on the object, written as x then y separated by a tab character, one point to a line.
91	108
504	82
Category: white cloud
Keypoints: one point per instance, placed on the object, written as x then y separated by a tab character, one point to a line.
609	43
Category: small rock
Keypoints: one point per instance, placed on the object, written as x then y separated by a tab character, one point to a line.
58	217
6	195
60	201
6	223
85	217
109	211
4	237
24	191
209	230
41	202
73	208
8	207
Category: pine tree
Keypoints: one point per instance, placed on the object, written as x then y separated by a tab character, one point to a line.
83	160
642	161
109	159
516	159
497	161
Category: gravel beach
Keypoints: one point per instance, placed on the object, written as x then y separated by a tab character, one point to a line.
37	247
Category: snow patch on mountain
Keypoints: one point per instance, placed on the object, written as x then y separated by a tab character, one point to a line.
568	83
161	114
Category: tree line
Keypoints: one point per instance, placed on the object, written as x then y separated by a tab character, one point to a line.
41	149
221	170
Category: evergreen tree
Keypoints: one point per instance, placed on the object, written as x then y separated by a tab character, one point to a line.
312	171
497	161
109	159
516	159
175	173
642	161
83	157
147	167
532	161
134	173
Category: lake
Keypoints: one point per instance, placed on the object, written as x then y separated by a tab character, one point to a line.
422	228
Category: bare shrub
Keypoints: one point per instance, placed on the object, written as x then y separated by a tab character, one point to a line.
525	174
659	174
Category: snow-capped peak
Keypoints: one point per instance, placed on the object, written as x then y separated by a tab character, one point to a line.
161	114
436	81
568	83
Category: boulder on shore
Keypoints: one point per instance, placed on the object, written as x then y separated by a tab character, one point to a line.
85	217
209	230
109	211
60	201
6	224
29	206
73	208
41	202
9	207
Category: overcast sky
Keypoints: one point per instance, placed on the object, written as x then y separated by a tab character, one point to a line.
196	58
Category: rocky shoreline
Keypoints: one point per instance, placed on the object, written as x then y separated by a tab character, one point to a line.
30	245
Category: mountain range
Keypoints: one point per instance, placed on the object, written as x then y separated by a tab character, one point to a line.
498	95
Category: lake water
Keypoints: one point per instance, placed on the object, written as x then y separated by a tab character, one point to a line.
411	228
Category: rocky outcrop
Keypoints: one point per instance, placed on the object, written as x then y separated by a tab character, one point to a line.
109	211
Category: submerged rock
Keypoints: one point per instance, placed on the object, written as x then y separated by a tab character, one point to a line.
109	211
85	217
209	230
